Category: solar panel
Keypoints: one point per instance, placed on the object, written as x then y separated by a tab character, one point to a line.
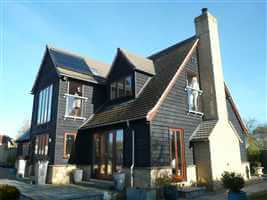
71	62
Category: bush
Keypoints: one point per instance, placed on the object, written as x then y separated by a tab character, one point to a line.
232	181
8	192
11	159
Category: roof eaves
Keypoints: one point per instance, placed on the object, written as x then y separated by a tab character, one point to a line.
228	95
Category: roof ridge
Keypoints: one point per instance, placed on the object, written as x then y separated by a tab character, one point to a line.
171	47
64	51
135	54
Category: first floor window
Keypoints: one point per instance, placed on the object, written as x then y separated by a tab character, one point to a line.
45	105
177	153
41	144
121	88
69	141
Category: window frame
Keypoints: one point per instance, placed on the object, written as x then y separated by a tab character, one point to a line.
116	83
41	142
65	156
44	108
180	131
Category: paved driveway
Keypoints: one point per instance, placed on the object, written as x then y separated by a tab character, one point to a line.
54	192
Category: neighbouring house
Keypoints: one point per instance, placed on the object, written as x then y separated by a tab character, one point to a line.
170	112
23	144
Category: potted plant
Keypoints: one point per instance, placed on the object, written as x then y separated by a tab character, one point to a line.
259	169
8	192
234	183
169	188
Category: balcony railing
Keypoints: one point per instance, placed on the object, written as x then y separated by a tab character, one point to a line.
193	100
75	106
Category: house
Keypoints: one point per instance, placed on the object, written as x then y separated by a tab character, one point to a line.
23	144
170	113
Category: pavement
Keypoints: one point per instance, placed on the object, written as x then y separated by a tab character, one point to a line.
74	192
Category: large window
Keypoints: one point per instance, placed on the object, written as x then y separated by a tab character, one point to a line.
44	105
74	100
41	144
177	153
69	141
121	88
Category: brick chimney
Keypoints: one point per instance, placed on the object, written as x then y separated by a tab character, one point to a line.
211	73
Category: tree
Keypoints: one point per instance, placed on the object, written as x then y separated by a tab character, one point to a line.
26	124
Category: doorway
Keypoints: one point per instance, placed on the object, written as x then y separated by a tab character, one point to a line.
108	154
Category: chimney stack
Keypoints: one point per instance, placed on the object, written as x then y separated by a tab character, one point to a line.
210	69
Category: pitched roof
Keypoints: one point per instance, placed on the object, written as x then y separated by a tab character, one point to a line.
24	137
203	131
166	67
82	67
139	62
234	107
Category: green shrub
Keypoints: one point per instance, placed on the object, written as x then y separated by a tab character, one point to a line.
8	192
232	181
11	159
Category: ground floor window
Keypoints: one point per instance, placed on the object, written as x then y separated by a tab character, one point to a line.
69	140
41	144
25	149
108	148
177	153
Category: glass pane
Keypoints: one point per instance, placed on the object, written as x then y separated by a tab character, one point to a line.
173	152
36	145
74	106
119	150
39	109
75	88
109	152
113	91
42	103
128	86
97	148
50	92
120	88
45	104
69	144
46	145
179	153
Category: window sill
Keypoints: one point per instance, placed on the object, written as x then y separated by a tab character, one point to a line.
73	117
195	112
76	96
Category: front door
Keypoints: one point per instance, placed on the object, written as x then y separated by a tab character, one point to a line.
108	154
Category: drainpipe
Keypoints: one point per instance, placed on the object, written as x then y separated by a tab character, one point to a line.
132	166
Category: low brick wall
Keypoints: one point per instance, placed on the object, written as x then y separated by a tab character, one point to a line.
60	174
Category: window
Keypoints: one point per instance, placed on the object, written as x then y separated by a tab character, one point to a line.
69	140
177	153
25	149
128	86
113	90
120	92
121	88
41	144
74	100
44	105
119	150
193	92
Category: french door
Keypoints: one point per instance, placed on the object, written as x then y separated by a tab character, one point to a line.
108	153
177	153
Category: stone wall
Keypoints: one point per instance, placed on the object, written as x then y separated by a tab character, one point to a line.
60	174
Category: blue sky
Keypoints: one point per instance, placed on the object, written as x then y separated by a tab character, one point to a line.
97	29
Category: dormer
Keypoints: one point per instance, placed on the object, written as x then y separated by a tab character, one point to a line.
128	75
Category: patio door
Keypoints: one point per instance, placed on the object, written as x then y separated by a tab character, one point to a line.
108	154
104	153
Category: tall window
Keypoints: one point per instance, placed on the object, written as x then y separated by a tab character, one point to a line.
44	105
41	144
69	141
119	150
177	153
75	99
121	88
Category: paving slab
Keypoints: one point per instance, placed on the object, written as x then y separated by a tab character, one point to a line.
54	192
